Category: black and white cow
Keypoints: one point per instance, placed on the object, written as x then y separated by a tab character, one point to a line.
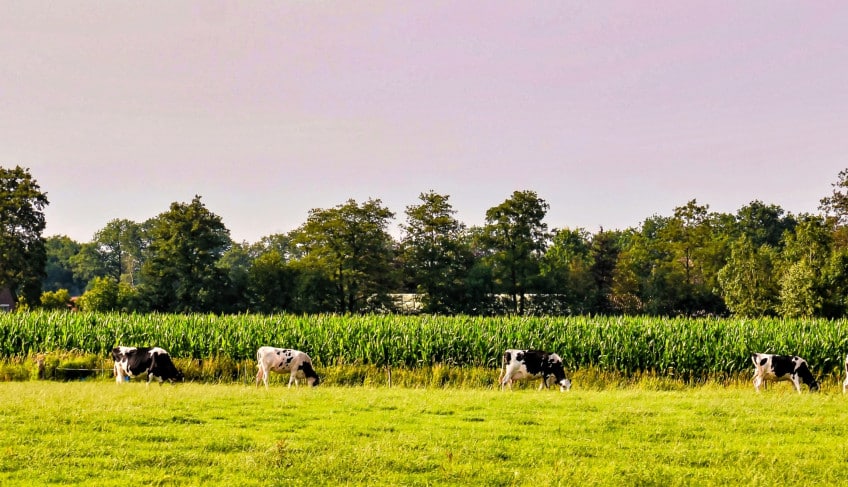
153	361
845	383
282	360
782	367
521	364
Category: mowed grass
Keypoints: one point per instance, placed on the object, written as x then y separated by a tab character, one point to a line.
100	433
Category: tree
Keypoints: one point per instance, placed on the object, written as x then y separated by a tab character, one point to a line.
433	252
518	237
604	251
22	223
236	263
633	270
806	256
349	245
835	285
836	205
748	282
763	224
799	297
180	272
119	245
670	265
59	271
88	263
567	266
57	300
271	283
697	252
102	295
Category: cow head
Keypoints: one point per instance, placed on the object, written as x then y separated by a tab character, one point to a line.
554	365
804	373
313	381
810	381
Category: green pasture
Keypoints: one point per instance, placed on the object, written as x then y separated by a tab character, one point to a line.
99	433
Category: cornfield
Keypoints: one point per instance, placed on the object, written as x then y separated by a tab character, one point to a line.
675	347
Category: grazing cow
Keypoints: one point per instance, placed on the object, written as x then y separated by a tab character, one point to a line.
520	364
845	384
282	360
155	362
782	367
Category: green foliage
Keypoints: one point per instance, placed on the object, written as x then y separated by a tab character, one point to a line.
180	272
435	256
60	299
270	283
102	295
748	283
59	270
760	261
119	247
349	245
798	298
22	248
518	238
836	205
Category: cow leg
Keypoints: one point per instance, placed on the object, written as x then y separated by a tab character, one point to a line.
258	375
845	384
544	384
119	375
265	373
757	381
796	382
292	378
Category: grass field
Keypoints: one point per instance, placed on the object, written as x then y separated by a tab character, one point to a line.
100	433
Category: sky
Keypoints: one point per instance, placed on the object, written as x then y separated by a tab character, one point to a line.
611	111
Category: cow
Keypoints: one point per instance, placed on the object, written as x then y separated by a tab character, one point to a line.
153	361
520	364
782	367
282	360
845	383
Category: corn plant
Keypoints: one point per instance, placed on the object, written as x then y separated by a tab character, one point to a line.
676	347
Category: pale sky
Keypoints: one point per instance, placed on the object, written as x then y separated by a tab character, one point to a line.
611	111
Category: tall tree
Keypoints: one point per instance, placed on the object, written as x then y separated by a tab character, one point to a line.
763	224
836	205
120	244
518	236
806	255
351	246
271	283
567	265
748	281
434	254
22	222
698	252
59	271
180	273
605	250
236	263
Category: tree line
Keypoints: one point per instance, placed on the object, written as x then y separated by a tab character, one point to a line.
759	261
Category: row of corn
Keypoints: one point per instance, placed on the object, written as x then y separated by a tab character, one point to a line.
679	347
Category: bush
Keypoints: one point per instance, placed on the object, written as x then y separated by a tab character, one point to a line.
56	300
